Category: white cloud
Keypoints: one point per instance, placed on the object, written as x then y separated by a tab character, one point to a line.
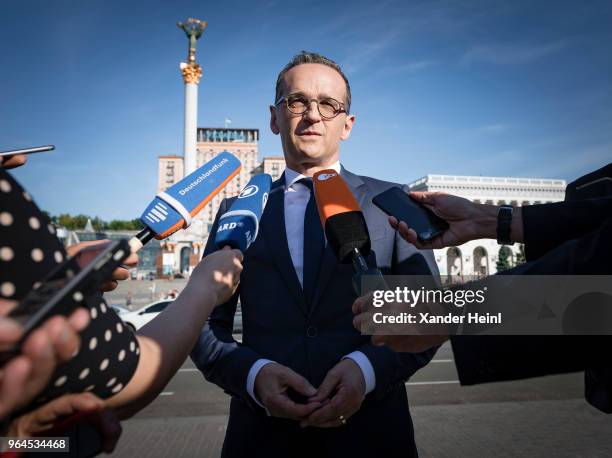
405	67
511	54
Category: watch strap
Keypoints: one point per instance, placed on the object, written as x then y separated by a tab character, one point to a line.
504	223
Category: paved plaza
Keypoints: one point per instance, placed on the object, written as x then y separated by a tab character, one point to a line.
537	418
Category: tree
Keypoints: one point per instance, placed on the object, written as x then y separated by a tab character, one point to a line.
124	225
72	222
78	222
503	262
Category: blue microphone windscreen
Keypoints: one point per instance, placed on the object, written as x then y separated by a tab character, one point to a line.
238	227
173	209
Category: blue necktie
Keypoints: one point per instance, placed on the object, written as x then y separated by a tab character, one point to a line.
314	244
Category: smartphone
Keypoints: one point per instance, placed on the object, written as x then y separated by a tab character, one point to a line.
64	289
395	202
38	149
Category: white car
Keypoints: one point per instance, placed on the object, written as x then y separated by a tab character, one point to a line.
142	316
137	319
119	309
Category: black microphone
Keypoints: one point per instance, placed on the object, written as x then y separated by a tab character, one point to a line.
345	227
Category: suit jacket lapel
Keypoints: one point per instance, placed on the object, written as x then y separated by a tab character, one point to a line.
273	230
355	183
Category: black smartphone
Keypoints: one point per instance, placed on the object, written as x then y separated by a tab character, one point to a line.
395	202
64	289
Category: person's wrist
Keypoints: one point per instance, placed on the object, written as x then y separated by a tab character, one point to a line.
260	379
203	291
361	377
485	221
257	395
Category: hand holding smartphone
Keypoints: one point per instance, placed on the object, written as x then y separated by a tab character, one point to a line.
38	149
395	202
64	289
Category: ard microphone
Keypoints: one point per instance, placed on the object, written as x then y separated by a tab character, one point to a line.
174	208
344	224
238	227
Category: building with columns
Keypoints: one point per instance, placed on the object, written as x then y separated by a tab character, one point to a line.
479	257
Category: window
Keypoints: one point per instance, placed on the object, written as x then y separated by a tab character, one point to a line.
158	307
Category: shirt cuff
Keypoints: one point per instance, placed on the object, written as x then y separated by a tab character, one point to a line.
255	368
366	368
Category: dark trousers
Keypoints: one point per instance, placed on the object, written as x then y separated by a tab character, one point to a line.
379	428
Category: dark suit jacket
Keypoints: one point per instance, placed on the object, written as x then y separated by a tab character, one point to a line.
310	339
572	238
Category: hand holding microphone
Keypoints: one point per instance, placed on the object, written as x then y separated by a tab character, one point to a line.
218	274
236	230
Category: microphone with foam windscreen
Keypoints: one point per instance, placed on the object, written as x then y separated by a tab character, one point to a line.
238	227
174	208
344	224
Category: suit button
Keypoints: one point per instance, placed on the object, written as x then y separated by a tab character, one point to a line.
311	331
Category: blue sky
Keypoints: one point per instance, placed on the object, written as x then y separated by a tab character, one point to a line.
516	88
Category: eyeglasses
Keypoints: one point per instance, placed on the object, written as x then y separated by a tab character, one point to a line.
328	108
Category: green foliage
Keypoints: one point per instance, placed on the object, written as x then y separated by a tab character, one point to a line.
124	225
78	222
72	222
503	258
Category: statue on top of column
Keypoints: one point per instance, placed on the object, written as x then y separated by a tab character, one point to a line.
193	28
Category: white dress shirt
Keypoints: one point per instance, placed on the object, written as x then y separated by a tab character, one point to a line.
296	200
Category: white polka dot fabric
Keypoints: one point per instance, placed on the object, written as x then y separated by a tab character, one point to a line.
29	250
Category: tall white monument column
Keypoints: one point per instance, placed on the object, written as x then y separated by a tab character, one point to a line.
191	117
192	72
186	244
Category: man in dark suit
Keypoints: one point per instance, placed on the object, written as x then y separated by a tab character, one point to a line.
303	381
573	237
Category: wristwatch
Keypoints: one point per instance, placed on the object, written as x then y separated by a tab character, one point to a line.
504	222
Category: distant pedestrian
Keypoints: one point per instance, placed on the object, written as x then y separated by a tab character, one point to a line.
152	288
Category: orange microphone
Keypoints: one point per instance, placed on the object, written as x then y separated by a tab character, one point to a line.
342	220
345	228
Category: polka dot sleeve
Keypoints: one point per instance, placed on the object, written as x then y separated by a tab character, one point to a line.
106	360
29	250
